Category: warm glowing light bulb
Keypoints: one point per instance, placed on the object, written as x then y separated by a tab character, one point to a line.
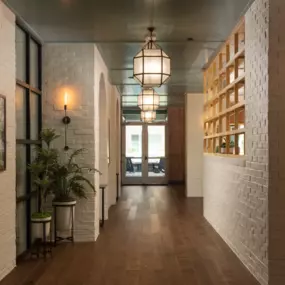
65	98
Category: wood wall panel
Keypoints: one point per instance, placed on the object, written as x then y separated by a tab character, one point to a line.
176	144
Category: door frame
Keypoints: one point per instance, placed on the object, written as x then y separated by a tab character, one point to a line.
144	179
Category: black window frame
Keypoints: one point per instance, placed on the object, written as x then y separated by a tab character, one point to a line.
28	142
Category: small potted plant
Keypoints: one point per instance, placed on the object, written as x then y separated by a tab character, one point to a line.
223	148
42	179
70	184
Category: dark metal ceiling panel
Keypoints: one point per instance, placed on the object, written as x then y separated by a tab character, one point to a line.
119	29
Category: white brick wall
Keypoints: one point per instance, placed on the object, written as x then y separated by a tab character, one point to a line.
71	67
236	190
7	178
79	69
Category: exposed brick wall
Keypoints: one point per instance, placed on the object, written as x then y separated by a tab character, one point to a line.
71	67
236	190
7	178
80	69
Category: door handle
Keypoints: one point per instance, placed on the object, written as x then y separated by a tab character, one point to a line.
145	157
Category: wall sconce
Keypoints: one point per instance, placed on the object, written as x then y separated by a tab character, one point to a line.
66	120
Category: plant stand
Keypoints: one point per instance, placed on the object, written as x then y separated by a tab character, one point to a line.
59	238
103	205
42	245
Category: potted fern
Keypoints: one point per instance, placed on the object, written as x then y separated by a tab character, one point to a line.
70	184
232	147
42	179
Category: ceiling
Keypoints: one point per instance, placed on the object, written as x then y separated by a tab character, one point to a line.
119	28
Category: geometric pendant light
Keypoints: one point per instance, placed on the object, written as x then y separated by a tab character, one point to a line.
148	100
151	64
148	116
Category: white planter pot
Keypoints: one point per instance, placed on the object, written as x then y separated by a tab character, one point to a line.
232	150
223	150
64	212
37	227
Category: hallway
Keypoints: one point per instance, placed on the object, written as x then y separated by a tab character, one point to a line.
154	236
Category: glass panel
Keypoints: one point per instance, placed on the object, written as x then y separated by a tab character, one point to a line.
34	115
156	167
21	162
133	167
241	119
21	228
156	141
21	54
34	63
20	112
133	161
241	147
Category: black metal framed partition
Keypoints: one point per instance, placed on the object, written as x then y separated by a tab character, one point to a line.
28	127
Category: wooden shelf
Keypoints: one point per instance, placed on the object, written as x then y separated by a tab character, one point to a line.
226	68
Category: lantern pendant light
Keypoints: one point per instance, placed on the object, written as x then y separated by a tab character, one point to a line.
151	64
148	116
148	100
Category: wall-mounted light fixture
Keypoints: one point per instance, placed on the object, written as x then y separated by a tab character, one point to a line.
66	120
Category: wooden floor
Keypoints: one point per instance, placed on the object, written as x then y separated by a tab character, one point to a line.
154	236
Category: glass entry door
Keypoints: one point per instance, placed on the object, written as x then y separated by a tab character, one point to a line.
144	154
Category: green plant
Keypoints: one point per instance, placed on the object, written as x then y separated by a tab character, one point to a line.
42	168
223	145
70	180
217	149
232	144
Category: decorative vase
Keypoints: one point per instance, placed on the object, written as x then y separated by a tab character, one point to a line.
64	216
37	227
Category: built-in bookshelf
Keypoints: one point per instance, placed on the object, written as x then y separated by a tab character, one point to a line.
224	102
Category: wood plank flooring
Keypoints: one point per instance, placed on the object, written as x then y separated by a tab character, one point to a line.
154	236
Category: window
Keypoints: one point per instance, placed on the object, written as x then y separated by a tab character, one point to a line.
28	126
224	112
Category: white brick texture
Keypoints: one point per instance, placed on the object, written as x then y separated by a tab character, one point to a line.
80	69
71	67
236	190
7	178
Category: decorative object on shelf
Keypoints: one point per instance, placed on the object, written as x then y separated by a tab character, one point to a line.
66	120
151	64
223	148
224	88
148	116
2	133
148	100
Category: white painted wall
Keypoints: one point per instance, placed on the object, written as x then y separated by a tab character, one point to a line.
7	178
194	144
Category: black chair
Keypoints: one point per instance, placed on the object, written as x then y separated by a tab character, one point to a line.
129	166
161	165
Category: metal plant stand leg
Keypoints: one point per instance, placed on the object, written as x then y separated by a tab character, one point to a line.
103	206
58	238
